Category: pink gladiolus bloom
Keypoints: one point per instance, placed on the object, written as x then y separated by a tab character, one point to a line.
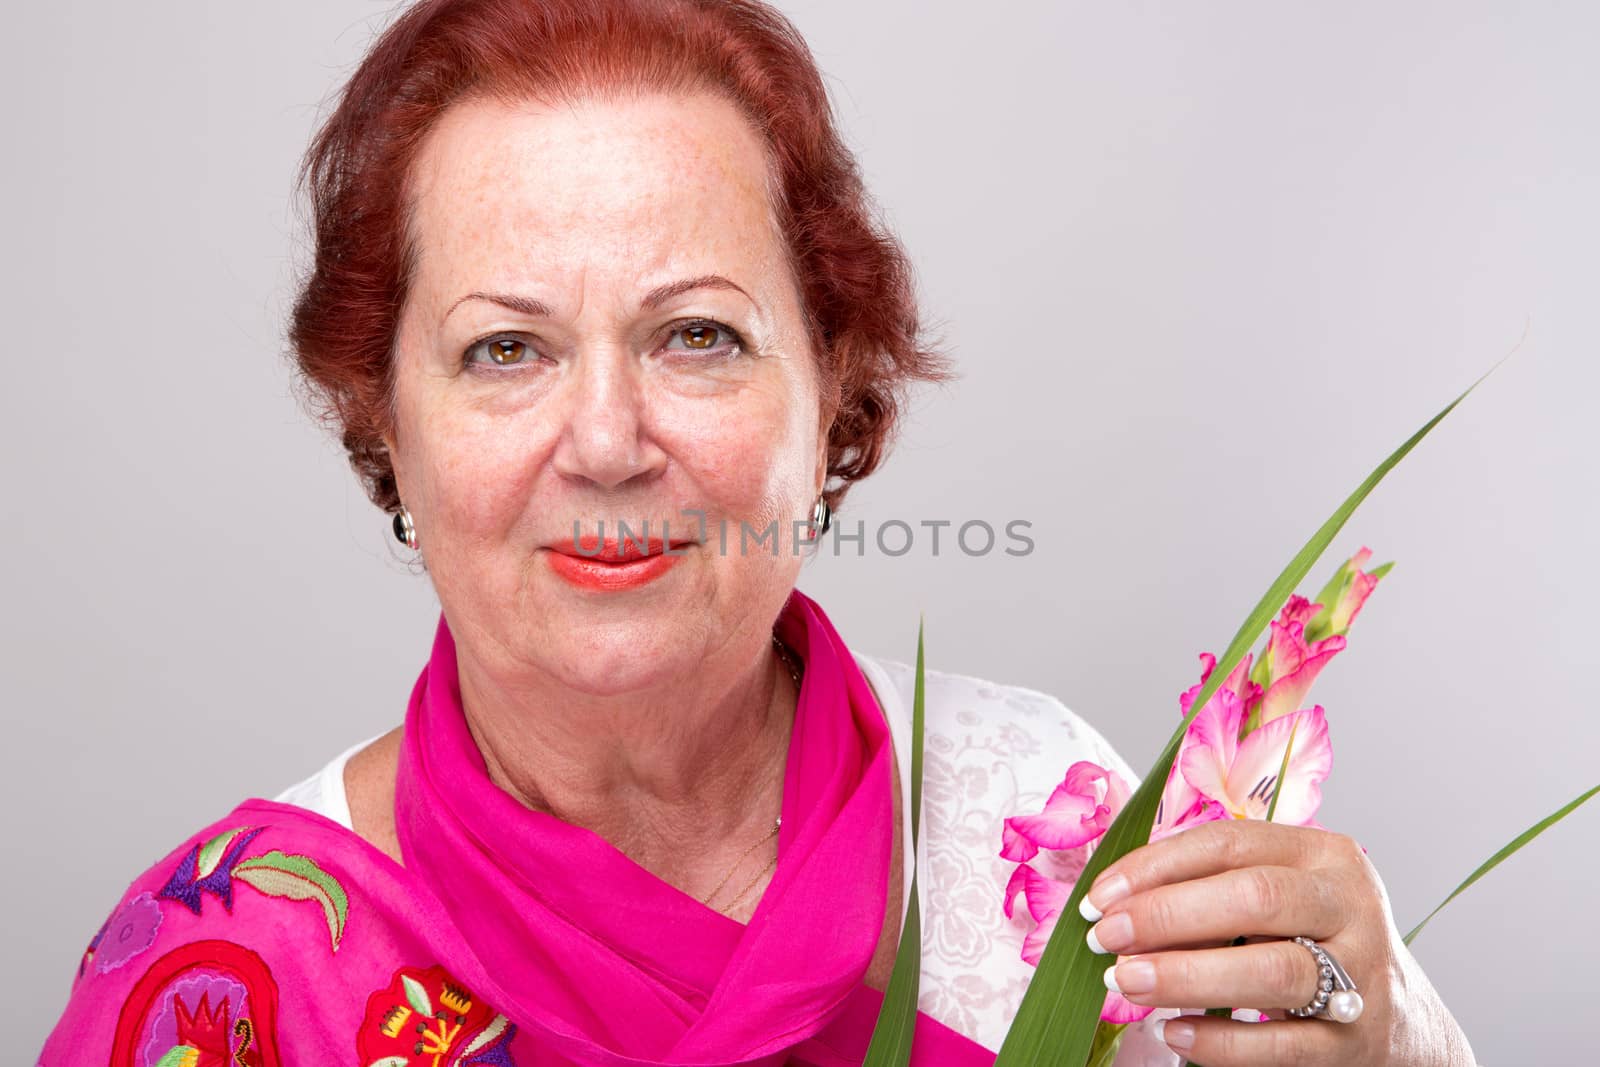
1238	682
1354	595
1242	776
1079	811
1182	805
1294	664
1218	774
1045	897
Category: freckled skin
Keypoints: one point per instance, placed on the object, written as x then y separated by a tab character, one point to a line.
658	716
586	210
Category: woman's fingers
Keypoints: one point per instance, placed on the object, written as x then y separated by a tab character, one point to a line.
1254	901
1271	974
1210	849
1230	1043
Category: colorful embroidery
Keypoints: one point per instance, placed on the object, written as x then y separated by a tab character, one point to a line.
295	877
425	1018
212	867
208	867
205	1004
128	932
94	943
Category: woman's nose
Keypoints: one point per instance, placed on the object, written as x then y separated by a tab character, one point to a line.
604	439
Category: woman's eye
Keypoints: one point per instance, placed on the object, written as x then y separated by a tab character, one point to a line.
698	336
704	336
501	351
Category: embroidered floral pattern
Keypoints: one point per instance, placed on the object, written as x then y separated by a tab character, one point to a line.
212	867
206	1004
208	868
425	1018
129	931
94	945
296	877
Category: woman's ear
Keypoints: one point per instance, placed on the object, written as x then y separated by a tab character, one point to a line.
388	439
819	475
827	411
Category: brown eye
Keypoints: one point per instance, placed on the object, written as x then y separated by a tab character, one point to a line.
699	336
505	350
708	336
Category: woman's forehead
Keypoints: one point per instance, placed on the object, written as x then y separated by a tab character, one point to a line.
633	186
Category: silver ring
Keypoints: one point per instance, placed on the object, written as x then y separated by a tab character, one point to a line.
1337	998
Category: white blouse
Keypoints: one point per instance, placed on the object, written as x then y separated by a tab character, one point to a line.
990	751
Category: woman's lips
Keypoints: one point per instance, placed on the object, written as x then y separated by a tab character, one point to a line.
612	565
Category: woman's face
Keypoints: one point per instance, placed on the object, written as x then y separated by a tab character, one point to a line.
562	358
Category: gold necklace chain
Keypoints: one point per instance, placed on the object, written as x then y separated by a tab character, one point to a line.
794	673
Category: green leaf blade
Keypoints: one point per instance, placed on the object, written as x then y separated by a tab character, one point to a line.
897	1017
1107	1043
1283	771
1504	854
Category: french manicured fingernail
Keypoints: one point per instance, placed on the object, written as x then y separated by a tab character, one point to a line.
1178	1034
1111	934
1109	892
1131	977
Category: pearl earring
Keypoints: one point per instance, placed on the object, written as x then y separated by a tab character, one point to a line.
404	529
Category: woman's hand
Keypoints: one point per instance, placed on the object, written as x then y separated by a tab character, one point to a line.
1173	908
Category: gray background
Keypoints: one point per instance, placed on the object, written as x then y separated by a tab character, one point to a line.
1203	265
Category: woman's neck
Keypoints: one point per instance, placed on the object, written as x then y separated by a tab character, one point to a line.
680	776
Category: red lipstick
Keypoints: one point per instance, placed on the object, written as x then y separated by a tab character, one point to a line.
611	565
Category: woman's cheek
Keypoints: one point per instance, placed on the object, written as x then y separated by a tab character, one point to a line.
484	472
743	447
735	475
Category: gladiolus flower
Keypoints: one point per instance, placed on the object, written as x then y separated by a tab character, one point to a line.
1228	765
1242	776
1343	596
1293	664
1182	805
1045	897
1238	682
1079	811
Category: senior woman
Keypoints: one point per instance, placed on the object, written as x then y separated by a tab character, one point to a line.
587	264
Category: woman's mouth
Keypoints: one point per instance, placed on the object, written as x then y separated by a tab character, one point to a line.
613	564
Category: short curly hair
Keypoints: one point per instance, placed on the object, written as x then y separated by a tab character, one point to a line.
854	276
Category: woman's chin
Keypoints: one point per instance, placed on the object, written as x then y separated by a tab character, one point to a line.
610	671
597	654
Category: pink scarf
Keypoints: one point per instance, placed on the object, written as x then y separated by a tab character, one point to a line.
510	938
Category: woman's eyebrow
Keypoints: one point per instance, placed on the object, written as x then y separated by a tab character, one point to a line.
654	298
662	293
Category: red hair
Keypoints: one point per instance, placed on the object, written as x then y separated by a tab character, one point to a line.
854	277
